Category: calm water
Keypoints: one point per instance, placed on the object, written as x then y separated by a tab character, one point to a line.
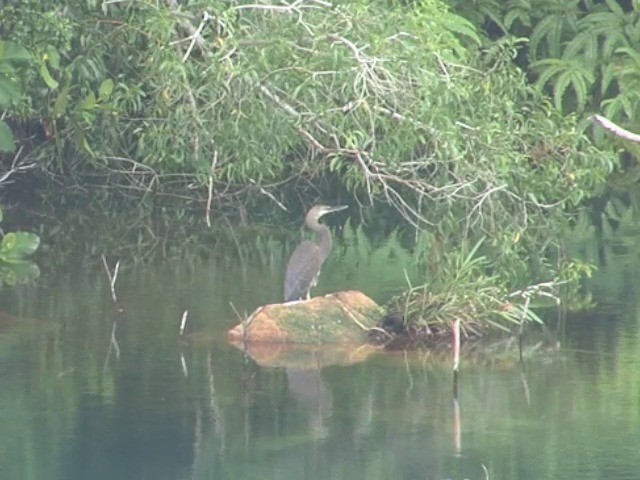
76	405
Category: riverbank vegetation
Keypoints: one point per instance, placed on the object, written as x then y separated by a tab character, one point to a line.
467	123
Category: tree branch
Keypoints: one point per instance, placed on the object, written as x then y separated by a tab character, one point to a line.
617	130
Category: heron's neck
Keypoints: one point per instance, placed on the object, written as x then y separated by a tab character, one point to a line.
323	237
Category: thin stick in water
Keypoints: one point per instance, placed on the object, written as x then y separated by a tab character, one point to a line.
207	215
112	277
113	346
183	363
183	323
525	309
457	428
456	345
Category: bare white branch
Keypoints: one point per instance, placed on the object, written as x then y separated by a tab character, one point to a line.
113	277
617	130
183	322
214	162
196	35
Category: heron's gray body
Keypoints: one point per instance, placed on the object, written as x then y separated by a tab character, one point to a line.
306	261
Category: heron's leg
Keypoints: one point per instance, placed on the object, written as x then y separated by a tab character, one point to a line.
314	282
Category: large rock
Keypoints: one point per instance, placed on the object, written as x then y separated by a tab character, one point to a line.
343	317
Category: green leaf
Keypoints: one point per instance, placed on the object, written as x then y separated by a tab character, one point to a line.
17	245
13	52
565	73
542	29
517	14
51	82
627	107
631	54
560	86
18	272
615	7
554	39
607	77
611	43
81	140
61	102
548	69
6	140
1	214
579	83
460	25
106	89
9	91
89	102
584	44
53	57
602	23
613	107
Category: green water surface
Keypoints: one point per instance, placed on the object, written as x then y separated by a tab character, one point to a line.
81	401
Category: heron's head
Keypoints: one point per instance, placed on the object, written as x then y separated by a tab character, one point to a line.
319	210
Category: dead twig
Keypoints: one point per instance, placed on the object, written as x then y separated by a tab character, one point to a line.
195	36
183	322
214	161
617	130
113	277
113	346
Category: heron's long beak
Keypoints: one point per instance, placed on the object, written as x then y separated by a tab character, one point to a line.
336	208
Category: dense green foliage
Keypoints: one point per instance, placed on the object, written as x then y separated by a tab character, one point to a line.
584	52
242	103
127	86
123	89
10	54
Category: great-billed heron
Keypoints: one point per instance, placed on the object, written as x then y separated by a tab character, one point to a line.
306	261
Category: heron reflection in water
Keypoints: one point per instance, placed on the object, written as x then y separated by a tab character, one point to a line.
306	261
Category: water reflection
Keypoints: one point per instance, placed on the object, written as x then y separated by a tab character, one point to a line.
72	408
313	396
